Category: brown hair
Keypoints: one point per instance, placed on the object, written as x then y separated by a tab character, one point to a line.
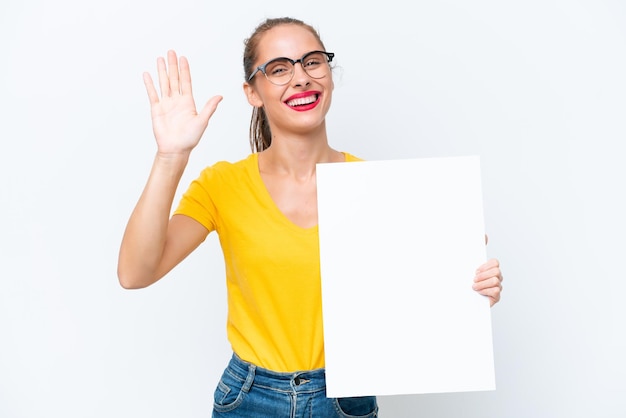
260	134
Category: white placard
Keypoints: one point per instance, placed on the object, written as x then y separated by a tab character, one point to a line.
399	245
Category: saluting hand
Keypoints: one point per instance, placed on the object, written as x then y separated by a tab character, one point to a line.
176	123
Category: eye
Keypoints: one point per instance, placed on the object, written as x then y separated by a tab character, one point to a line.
278	68
314	60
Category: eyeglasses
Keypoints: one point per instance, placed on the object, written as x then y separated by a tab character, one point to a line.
280	71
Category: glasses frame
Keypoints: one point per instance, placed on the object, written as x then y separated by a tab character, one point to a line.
261	68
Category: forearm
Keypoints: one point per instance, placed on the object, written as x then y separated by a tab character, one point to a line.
146	232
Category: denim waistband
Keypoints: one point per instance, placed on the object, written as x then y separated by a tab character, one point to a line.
306	381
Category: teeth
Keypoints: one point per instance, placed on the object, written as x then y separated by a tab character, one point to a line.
302	101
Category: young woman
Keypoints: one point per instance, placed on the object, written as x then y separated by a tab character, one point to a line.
264	209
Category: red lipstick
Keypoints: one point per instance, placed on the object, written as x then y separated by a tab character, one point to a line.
303	101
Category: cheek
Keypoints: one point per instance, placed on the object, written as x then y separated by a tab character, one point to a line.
329	93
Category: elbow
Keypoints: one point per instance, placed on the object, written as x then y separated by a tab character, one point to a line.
136	275
131	281
129	285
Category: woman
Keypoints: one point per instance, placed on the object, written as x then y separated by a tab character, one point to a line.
264	209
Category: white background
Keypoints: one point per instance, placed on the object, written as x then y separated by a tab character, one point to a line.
537	88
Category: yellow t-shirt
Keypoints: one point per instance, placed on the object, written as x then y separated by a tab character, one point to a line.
272	267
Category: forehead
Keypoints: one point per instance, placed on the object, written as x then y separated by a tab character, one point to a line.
290	41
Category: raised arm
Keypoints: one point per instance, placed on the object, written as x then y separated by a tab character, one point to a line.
153	243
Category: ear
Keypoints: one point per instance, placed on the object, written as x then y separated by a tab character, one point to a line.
251	94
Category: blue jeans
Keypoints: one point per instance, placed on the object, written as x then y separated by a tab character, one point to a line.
248	391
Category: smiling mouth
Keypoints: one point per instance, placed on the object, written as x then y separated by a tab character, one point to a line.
302	101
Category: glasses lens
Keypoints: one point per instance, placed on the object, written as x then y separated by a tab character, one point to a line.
315	64
280	70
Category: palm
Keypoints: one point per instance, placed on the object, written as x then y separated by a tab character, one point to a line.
176	123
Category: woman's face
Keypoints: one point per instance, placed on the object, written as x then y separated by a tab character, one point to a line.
300	106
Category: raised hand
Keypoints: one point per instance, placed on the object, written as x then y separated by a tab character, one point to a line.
176	123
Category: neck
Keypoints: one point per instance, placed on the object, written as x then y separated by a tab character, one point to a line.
297	156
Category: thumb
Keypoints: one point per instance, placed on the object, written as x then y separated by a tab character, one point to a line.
210	107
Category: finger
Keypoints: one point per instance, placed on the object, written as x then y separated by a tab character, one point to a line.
491	282
489	276
172	64
493	294
488	273
153	96
185	76
209	108
489	264
491	290
164	82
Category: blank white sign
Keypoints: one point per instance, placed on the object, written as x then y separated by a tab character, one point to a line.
400	242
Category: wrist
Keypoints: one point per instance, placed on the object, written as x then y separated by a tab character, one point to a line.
172	158
170	165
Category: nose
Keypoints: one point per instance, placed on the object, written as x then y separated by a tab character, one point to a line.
300	77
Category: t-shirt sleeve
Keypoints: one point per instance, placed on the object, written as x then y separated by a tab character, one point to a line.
198	202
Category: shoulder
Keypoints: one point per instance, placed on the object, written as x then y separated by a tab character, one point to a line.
225	169
244	163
